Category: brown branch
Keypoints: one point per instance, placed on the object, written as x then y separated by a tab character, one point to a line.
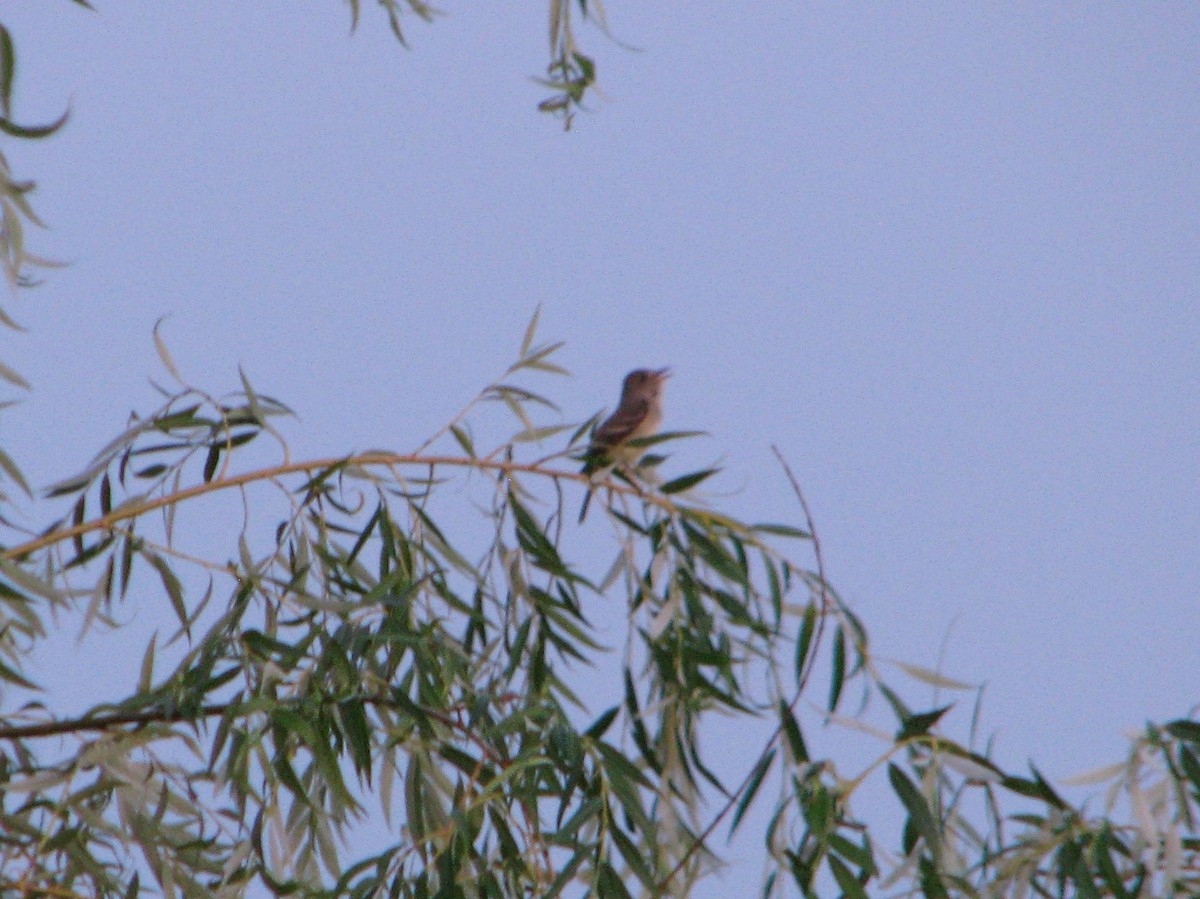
135	510
106	722
120	719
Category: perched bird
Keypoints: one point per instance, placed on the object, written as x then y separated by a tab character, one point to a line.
639	414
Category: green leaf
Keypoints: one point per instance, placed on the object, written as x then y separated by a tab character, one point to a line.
534	540
807	628
1073	869
1182	729
27	581
357	729
755	781
538	435
10	468
171	584
919	724
32	132
791	732
717	557
687	481
781	530
587	66
625	779
634	856
1190	765
464	440
918	810
8	67
859	856
931	881
1105	866
287	776
609	884
665	436
818	809
602	724
641	738
11	675
146	676
846	880
1046	792
211	460
838	676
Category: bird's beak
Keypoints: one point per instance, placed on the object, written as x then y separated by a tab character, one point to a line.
663	373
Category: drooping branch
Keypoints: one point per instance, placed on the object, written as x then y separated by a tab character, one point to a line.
136	510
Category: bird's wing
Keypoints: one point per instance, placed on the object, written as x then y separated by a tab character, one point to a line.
622	424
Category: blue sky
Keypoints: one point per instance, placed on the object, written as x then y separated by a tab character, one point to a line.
943	255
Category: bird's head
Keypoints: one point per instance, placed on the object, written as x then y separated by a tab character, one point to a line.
645	382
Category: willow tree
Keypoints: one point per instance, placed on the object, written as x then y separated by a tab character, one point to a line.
383	676
402	644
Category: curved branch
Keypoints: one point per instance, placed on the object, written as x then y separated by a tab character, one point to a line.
214	710
136	510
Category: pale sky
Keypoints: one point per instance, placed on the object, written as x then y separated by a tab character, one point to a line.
944	255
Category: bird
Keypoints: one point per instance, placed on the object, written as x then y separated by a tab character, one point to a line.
639	414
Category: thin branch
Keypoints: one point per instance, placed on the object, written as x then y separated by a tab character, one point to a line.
107	722
136	510
213	710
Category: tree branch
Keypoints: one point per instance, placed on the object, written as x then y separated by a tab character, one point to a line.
136	510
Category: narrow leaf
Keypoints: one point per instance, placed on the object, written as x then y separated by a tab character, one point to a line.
10	469
838	677
163	353
8	374
33	132
8	66
781	530
146	676
919	724
918	810
13	677
807	627
687	481
602	724
847	882
530	330
932	677
791	732
171	584
1182	729
756	779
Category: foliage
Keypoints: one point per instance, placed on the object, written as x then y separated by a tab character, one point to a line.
367	653
15	210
